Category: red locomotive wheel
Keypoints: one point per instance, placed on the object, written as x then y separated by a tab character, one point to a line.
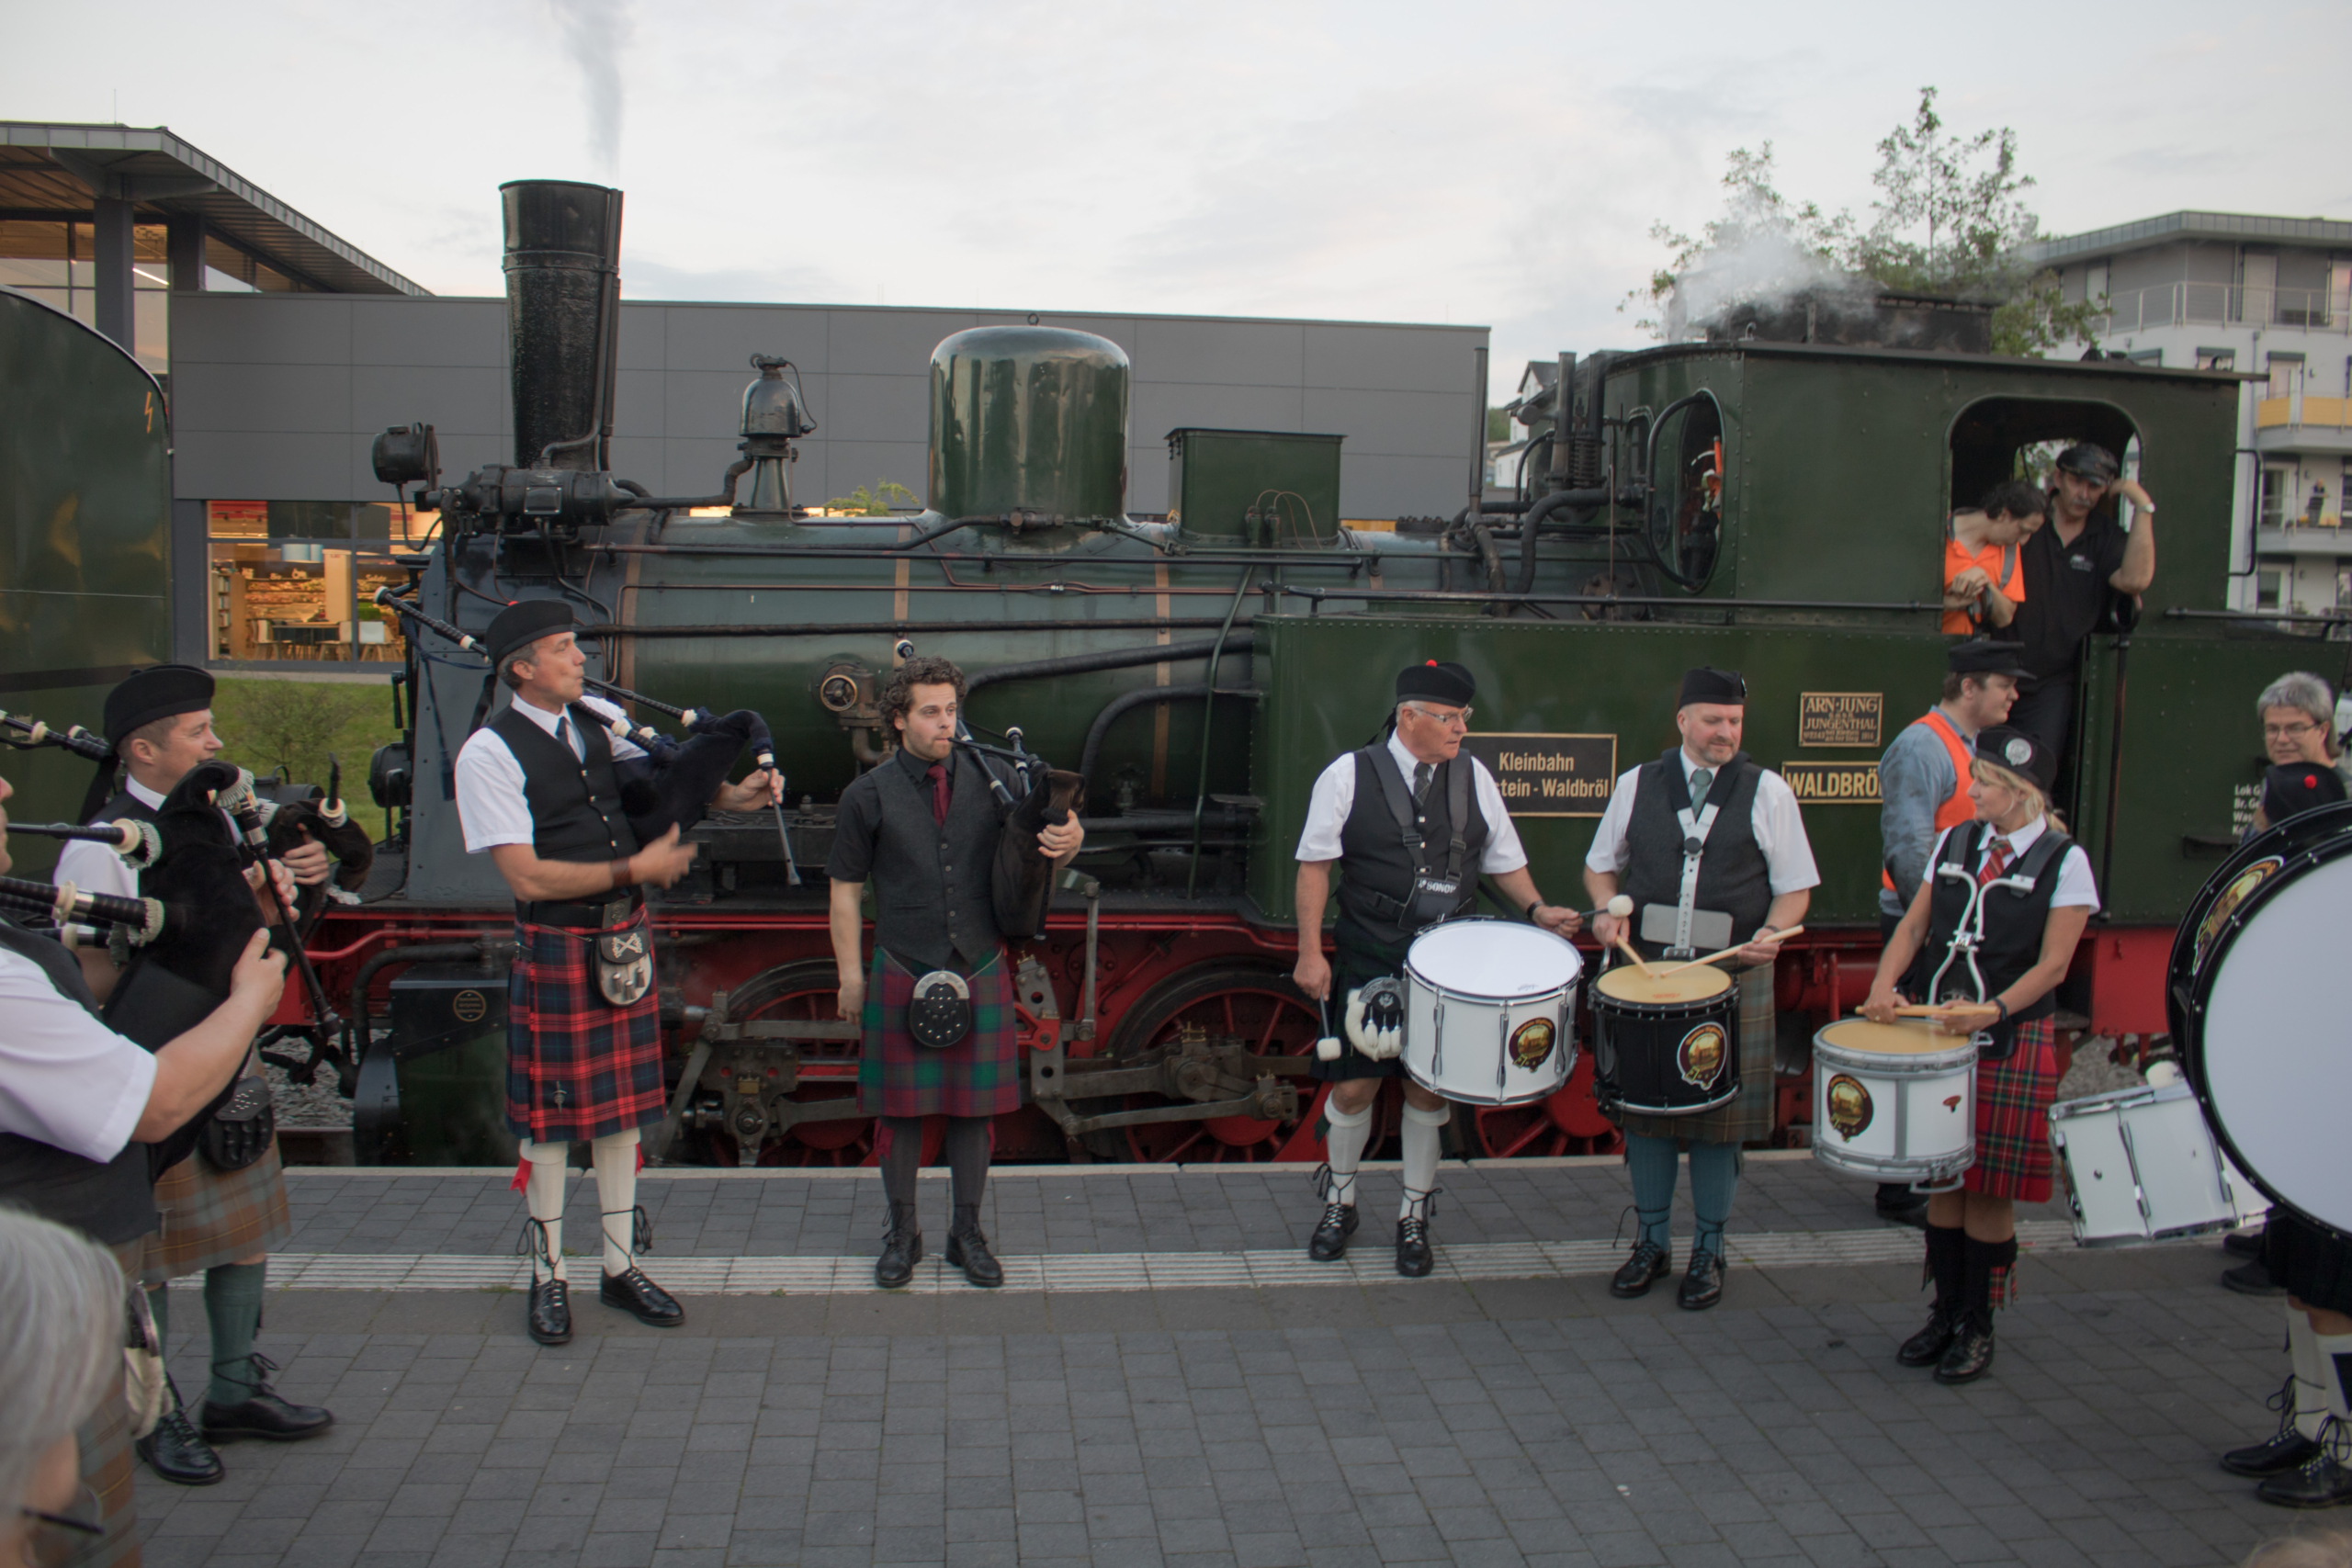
804	990
1567	1121
1256	1003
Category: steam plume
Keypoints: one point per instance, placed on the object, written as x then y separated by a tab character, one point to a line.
594	34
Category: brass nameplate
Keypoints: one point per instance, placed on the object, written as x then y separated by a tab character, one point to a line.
1833	784
1840	719
1550	775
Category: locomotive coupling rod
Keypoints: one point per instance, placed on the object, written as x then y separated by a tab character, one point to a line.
1269	1102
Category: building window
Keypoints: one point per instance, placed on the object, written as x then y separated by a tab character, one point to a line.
56	263
2285	370
2267	584
2343	587
2217	359
292	580
2276	485
2147	356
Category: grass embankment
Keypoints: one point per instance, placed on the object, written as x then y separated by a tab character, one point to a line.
269	722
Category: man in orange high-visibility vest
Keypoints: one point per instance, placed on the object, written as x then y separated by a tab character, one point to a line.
1923	784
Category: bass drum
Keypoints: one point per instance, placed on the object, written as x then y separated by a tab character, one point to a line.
2258	1019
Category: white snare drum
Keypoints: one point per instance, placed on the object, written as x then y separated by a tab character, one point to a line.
1490	1009
2141	1165
1895	1102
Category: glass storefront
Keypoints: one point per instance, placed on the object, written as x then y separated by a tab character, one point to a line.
55	261
293	579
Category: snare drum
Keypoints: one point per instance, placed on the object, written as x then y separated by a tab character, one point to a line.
1895	1102
1490	1011
2141	1165
1665	1045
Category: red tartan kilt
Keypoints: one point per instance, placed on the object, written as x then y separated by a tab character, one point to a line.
577	1066
2013	1158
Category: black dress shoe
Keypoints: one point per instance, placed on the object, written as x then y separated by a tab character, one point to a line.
1330	1241
1703	1282
1649	1264
2243	1243
174	1451
1927	1347
1900	1205
2288	1450
1414	1260
550	1314
901	1250
967	1250
642	1299
263	1414
2252	1280
1970	1355
2318	1482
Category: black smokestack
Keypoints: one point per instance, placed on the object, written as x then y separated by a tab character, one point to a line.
563	285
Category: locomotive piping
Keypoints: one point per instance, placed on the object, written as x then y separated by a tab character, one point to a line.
1117	658
1126	701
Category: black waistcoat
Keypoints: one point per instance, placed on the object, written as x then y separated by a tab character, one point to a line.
126	805
933	895
1733	878
2014	918
111	1202
1376	868
575	801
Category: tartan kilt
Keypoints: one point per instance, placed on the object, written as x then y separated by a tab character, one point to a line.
1351	967
977	1076
105	1444
577	1066
2013	1097
212	1216
1747	1117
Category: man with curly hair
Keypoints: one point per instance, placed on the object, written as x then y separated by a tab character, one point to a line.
936	999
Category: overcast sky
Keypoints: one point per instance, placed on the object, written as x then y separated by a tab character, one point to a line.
1464	161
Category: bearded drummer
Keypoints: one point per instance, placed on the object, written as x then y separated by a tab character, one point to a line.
1396	883
1994	923
1712	850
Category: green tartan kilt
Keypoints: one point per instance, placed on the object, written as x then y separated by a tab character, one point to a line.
1747	1117
977	1076
212	1216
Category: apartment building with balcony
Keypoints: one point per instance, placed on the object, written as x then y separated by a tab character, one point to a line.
2271	299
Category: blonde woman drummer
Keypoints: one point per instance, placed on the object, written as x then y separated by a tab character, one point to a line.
1995	921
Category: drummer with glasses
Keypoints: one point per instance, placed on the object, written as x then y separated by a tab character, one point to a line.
1991	932
1391	891
1711	848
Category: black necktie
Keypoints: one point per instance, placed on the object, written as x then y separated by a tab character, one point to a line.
1422	773
564	733
1702	780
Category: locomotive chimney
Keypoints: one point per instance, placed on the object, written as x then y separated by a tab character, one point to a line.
563	247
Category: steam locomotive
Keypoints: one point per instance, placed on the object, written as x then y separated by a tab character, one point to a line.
1771	500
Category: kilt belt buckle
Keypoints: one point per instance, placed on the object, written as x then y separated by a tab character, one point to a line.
940	1012
624	965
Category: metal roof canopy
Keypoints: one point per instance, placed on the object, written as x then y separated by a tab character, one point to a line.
64	170
2239	228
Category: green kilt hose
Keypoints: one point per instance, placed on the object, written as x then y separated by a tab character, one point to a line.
577	1066
1747	1117
977	1076
213	1216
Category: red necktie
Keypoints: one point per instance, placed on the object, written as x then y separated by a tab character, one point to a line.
1996	858
937	774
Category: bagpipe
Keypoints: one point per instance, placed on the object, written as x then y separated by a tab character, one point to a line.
84	919
673	785
1031	796
33	732
305	812
136	841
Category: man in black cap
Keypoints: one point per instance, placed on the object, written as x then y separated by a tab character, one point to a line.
538	793
1923	785
1395	885
2073	568
1711	848
222	1224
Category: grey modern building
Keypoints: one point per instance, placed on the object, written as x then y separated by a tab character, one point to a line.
285	351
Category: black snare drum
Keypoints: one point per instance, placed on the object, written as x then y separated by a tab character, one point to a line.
1664	1045
2257	1012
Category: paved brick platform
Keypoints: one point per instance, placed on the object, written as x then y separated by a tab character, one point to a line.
1498	1421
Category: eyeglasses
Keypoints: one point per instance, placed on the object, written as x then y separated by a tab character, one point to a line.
2288	731
1459	719
54	1540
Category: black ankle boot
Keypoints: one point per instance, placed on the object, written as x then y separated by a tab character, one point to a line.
1970	1355
1947	1268
2320	1481
901	1248
968	1249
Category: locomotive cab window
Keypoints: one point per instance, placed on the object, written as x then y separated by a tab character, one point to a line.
1997	441
1685	522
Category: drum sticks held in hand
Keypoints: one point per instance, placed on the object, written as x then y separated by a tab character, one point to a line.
1730	951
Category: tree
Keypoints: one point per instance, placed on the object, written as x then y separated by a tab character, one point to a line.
1951	219
875	502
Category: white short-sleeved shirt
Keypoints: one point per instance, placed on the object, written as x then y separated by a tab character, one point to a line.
65	1078
1335	796
1776	821
490	781
95	868
2076	890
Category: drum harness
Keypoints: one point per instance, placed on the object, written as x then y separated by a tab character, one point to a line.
1695	828
2024	872
1375	1021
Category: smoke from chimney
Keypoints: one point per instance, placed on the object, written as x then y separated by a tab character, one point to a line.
596	32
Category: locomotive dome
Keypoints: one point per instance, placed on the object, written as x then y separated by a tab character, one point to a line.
1028	419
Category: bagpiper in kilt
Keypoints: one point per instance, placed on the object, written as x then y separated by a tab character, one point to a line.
539	792
1712	850
220	1223
934	1003
1990	934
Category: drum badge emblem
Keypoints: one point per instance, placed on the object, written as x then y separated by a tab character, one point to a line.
1849	1106
1700	1057
2245	882
1532	1042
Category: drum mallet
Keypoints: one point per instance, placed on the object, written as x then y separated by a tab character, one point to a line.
1731	952
1327	1048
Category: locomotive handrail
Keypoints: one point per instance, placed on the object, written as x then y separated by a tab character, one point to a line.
1343	558
2337	618
1443	596
911	628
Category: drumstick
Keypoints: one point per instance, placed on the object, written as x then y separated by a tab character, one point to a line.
1945	1012
1728	952
1648	972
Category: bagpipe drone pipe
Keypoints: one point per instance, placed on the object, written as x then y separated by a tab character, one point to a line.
307	813
1031	796
174	981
